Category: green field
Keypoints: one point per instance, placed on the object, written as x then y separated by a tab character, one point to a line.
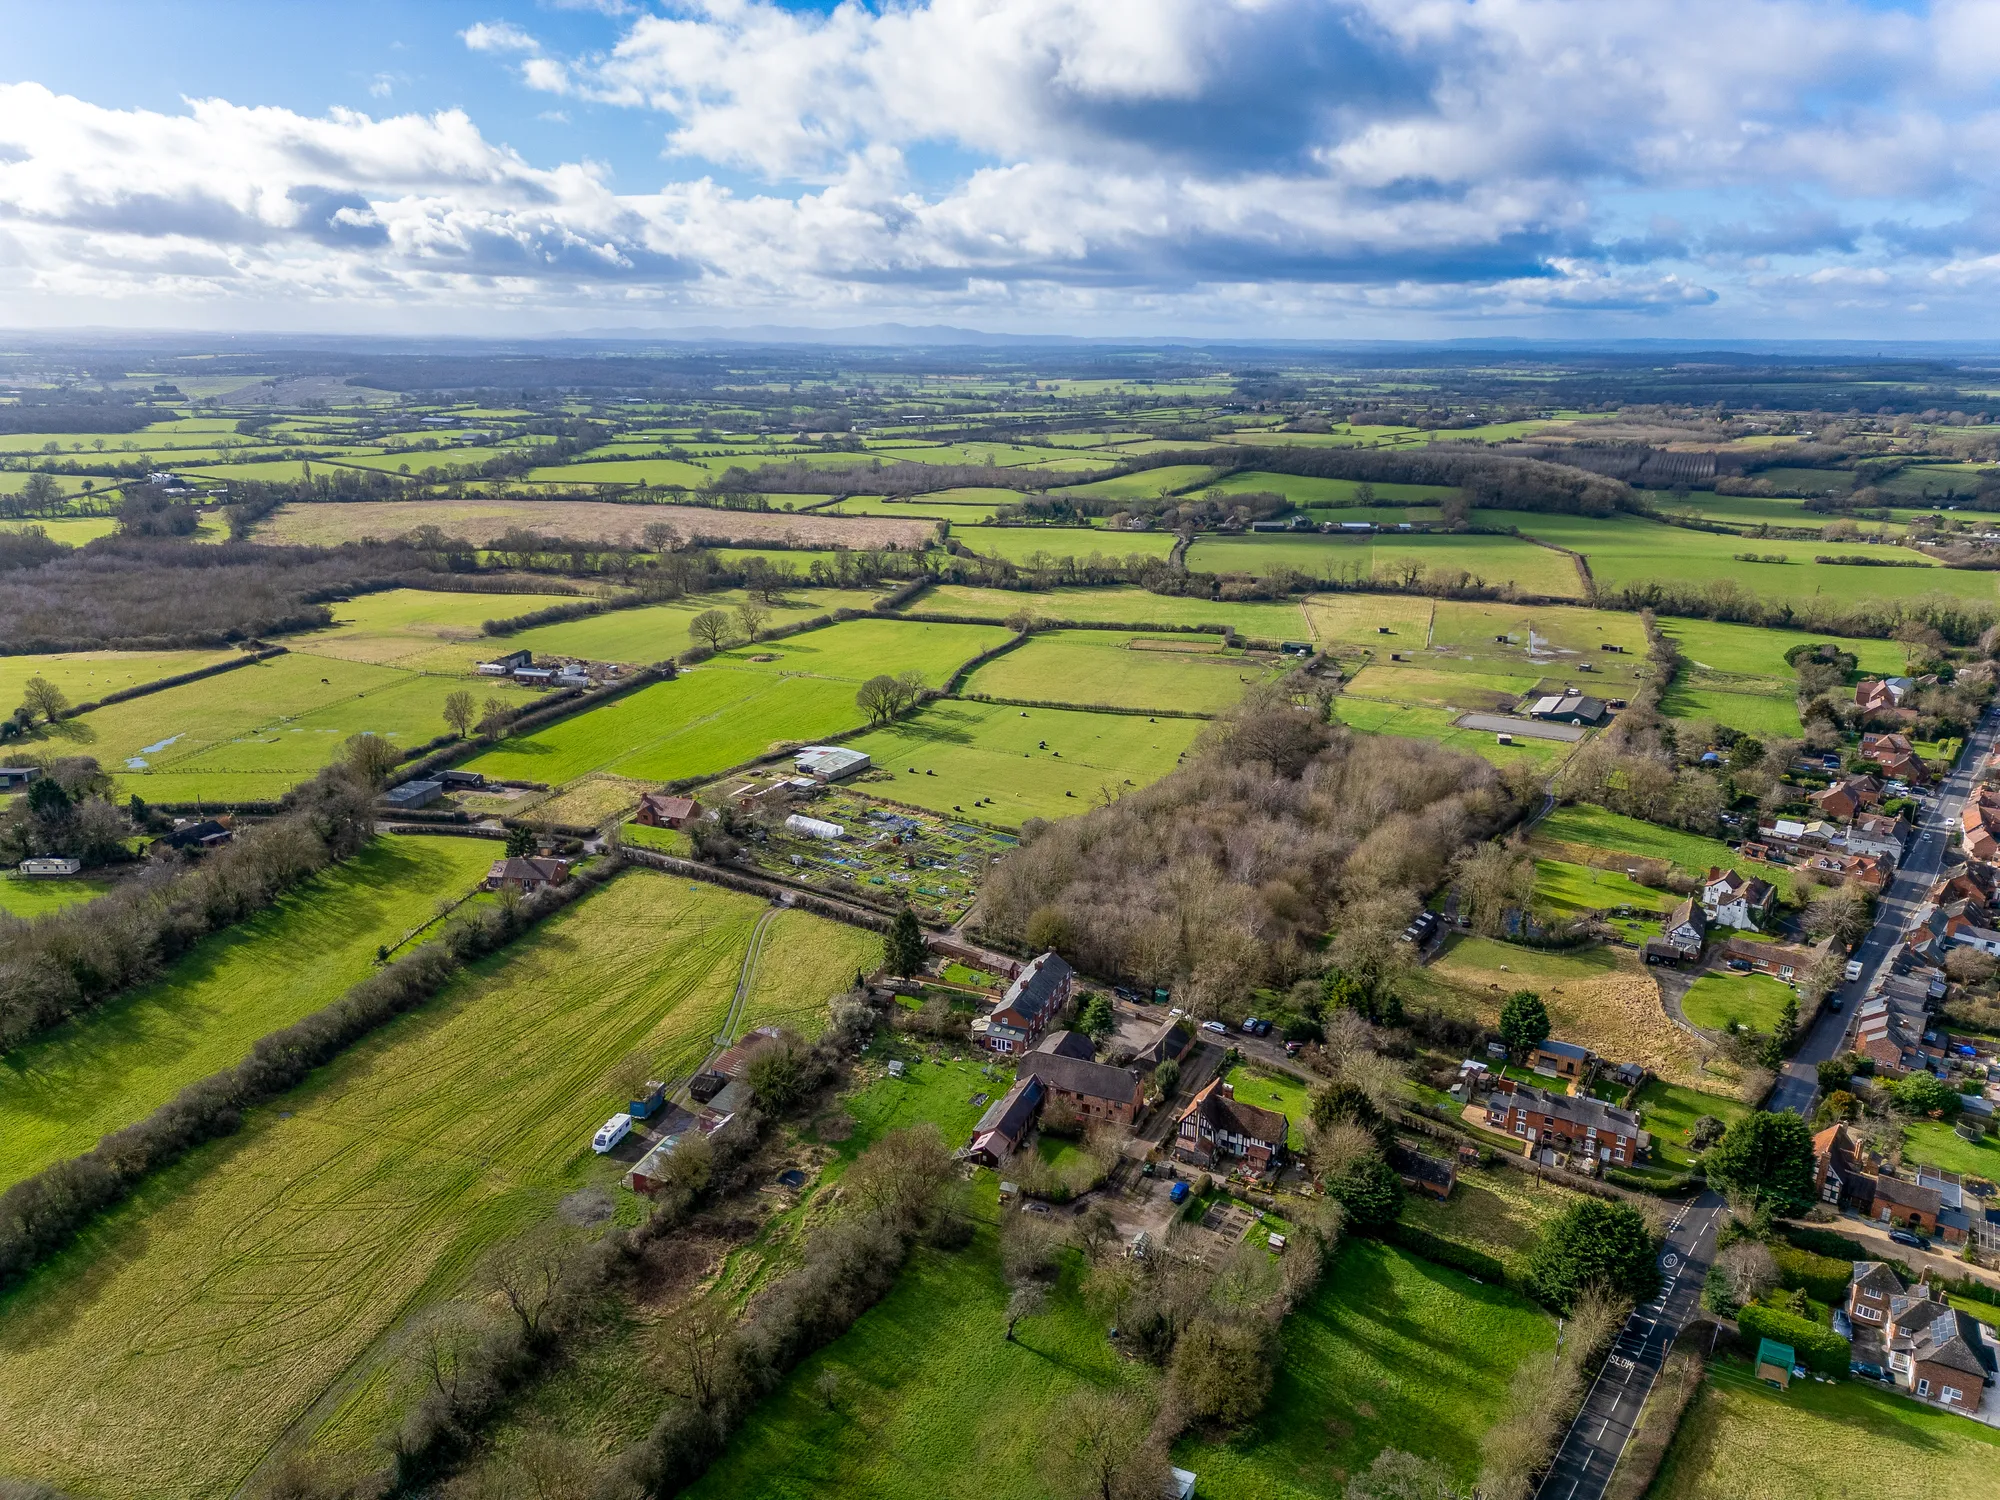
116	1064
1753	1000
1317	494
1669	1112
1585	826
1568	889
1847	1440
1391	1352
30	896
407	627
1416	722
951	754
1938	1144
1495	559
71	532
1121	605
1105	667
1033	546
85	676
1147	483
1269	1090
1737	674
732	708
286	1253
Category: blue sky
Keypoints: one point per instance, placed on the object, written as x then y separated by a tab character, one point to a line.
1289	168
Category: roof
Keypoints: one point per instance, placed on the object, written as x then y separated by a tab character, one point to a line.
534	870
1771	1352
1687	912
669	807
1875	1276
1907	1194
829	760
1077	1075
1950	1338
1580	1111
1036	988
1566	1049
1068	1044
1008	1116
410	791
1224	1111
1423	1168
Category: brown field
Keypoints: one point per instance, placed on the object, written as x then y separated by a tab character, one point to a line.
483	521
589	802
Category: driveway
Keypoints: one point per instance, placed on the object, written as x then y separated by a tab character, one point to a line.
1939	1262
1798	1084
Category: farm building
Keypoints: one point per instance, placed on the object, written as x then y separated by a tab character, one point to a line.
660	810
1568	708
1003	1127
413	794
535	676
455	780
195	836
50	867
829	762
1095	1090
526	875
13	778
505	666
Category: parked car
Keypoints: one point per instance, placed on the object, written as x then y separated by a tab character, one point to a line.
1914	1241
1215	1026
1853	970
1292	1048
1177	1193
1249	1025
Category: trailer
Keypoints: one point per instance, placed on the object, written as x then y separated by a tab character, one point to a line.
610	1133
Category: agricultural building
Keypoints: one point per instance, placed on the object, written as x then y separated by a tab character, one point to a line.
506	666
526	876
813	828
207	833
1033	1000
1003	1127
1568	708
659	810
457	780
535	676
829	762
413	794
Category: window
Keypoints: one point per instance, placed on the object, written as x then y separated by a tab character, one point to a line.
1950	1393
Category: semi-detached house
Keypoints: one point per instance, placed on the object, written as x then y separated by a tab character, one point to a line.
1033	1000
1542	1119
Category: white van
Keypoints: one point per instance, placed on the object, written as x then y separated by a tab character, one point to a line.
610	1133
1853	970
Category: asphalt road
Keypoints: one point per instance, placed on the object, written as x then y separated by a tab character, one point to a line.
1798	1085
1590	1448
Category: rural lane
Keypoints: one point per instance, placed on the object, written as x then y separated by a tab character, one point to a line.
1591	1447
1798	1085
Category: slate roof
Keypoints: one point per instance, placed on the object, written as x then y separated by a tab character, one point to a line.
1035	990
1068	1044
1077	1075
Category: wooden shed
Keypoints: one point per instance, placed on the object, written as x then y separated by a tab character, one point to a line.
1774	1362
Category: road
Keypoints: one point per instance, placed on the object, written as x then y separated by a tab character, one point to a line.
1590	1448
1798	1085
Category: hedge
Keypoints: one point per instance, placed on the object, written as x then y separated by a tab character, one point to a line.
1824	1278
1434	1247
1817	1348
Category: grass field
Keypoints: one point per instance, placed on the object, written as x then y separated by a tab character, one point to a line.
1737	674
1121	605
483	521
1845	1441
1414	721
70	531
1585	828
1027	545
85	676
29	896
400	626
1497	1209
1669	1112
1934	1142
733	708
1568	889
1093	667
1496	559
1147	483
285	1254
62	1091
1391	1352
1315	493
949	755
1714	1001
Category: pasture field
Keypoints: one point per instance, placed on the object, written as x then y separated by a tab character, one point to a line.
962	507
1121	604
402	627
395	1167
733	708
1361	619
1496	559
1599	996
1846	1440
483	521
1751	651
1497	1208
118	1063
1445	685
1669	1112
1390	1352
1105	667
1411	721
1759	510
1146	484
1585	828
1935	1142
656	632
951	754
1714	1001
798	562
1023	544
29	896
1628	549
1311	492
70	531
1767	715
1567	889
88	675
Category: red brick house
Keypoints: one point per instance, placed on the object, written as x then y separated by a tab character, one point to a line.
1581	1124
659	810
1096	1091
1035	998
526	876
1935	1352
1216	1125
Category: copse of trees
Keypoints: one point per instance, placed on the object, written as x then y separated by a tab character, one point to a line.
67	812
1765	1160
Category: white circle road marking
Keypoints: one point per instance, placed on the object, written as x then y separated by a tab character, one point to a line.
1669	1260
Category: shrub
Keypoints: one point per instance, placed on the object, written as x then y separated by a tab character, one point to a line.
1817	1348
1441	1251
1820	1277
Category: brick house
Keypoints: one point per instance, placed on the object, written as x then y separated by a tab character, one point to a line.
1096	1091
526	876
1907	1205
1216	1124
1873	1287
1740	901
1580	1124
1035	998
1006	1123
1935	1352
659	810
1839	1173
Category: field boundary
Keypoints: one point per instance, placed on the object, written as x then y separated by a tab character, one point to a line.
144	689
771	887
1079	708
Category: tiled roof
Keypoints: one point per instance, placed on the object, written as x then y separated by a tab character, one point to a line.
1076	1075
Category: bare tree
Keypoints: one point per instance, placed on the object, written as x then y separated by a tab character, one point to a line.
459	712
370	757
495	714
529	1274
751	617
1024	1302
693	1347
712	627
1109	1457
41	697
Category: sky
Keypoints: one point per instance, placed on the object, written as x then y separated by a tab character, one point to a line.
1575	169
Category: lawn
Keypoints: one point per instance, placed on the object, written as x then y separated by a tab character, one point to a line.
1669	1112
30	896
1029	545
1391	1352
1848	1440
1713	1001
1496	559
85	676
116	1064
734	707
1105	668
1585	827
951	754
946	1092
1279	1091
1938	1144
1567	889
1120	605
293	1248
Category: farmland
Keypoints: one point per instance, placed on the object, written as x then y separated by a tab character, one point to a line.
116	1064
85	676
1105	667
1841	1441
1412	721
30	896
950	755
449	1129
485	521
1027	545
1495	559
1116	606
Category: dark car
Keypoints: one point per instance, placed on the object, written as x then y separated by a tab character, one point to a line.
1914	1241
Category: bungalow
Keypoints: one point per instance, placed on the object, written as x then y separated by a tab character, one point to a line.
13	778
1781	961
1733	900
1003	1127
1216	1124
1580	1124
49	867
1032	1001
1433	1176
662	810
1566	1060
526	876
1096	1091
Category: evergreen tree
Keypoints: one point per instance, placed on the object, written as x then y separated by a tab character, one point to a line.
1524	1022
903	951
1766	1159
